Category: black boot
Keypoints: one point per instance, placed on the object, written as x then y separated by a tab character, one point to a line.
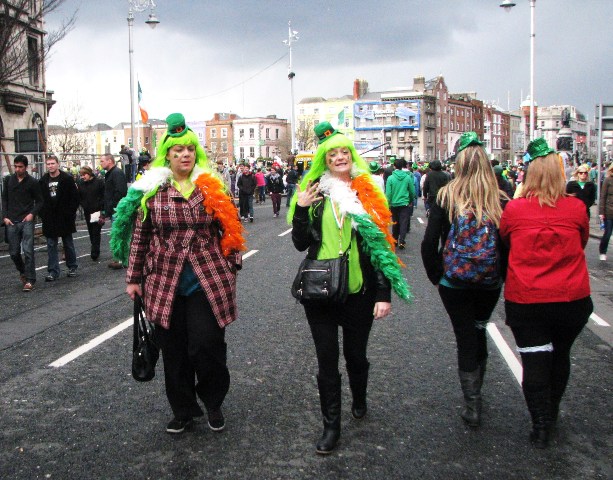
539	405
471	387
482	369
330	398
358	382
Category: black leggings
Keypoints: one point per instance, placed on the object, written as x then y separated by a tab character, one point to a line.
469	311
355	317
545	333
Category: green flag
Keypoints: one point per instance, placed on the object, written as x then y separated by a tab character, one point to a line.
341	118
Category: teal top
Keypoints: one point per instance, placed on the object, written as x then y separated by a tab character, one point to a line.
188	281
330	245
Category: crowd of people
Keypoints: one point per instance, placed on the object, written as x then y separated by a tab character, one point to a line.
521	231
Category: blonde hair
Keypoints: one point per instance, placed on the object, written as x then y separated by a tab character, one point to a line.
474	188
544	180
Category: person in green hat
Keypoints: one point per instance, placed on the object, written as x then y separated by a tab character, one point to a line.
178	231
376	171
338	209
461	252
547	292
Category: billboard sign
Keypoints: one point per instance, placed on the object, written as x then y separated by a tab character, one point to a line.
400	115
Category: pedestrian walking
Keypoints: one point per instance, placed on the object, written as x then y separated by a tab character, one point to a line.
605	211
462	255
338	209
400	193
435	179
246	184
547	292
182	262
377	174
91	198
58	213
115	188
276	187
582	187
291	179
21	202
260	181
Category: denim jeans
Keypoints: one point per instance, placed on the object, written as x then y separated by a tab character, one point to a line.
291	188
606	235
53	266
21	237
245	202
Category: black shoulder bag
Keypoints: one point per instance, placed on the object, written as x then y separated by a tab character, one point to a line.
145	351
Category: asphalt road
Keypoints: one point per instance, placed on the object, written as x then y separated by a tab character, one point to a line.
89	419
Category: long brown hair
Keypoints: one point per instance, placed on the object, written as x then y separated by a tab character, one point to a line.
545	180
473	189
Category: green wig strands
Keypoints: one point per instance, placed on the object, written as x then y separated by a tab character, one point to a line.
189	138
318	165
121	232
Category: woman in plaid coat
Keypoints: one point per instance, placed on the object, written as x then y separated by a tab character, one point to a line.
182	261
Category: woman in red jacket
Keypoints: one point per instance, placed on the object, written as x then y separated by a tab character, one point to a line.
547	292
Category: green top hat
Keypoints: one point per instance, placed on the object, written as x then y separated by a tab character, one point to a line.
324	131
176	125
467	139
539	148
374	166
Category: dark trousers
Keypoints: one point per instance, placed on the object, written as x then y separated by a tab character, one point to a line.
606	235
94	230
545	333
469	311
194	348
355	317
245	204
401	217
276	202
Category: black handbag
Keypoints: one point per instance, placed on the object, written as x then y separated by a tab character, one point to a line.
322	281
145	351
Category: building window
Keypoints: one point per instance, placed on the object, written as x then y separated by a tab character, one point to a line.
224	147
241	151
33	61
276	134
213	147
542	123
251	134
146	140
200	136
241	133
316	111
267	134
213	133
267	152
252	152
224	133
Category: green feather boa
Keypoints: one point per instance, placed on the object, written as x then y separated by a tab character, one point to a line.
121	231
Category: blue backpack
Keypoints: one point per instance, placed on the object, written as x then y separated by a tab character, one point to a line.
470	255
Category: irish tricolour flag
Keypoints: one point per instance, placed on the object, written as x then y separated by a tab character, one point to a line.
143	113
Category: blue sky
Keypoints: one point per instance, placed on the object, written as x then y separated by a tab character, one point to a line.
228	56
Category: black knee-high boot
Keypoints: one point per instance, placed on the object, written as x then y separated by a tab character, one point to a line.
471	387
358	382
330	398
538	400
482	369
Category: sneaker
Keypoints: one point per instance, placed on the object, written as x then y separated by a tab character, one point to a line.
178	426
603	257
72	272
27	287
401	246
216	421
50	278
251	219
115	265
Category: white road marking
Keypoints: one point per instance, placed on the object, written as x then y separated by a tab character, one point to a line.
599	321
63	261
420	220
69	357
60	362
505	351
284	233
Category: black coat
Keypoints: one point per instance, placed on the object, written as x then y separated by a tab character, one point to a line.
91	195
306	234
115	188
59	212
246	184
587	194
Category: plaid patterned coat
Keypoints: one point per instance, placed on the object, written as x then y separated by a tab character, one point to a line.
177	230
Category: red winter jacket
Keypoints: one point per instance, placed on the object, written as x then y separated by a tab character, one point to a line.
546	257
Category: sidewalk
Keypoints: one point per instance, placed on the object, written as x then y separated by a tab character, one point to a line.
595	231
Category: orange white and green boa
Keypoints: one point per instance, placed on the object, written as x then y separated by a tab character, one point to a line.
371	218
216	202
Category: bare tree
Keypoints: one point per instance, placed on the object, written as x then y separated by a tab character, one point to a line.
16	54
67	137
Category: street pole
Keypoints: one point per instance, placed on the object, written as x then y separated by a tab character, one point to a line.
532	35
292	36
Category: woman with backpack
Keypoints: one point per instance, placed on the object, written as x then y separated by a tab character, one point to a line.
547	292
462	255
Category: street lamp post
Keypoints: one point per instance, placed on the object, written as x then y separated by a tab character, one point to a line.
508	5
292	37
137	6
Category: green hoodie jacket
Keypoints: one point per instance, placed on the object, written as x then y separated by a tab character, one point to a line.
400	188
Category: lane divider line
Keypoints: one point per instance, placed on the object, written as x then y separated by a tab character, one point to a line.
505	351
63	261
419	219
284	233
69	357
599	321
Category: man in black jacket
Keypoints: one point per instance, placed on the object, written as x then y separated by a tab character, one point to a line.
435	179
59	211
246	186
21	202
115	188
